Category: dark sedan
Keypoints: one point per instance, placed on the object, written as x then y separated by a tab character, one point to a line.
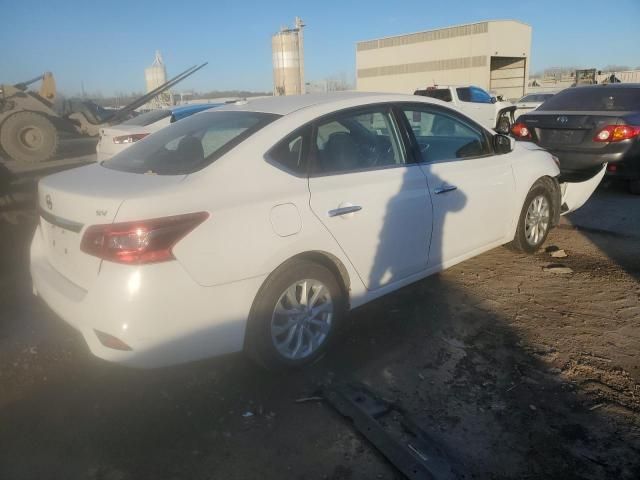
586	127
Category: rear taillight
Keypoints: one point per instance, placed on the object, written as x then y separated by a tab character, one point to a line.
616	133
521	131
144	241
131	138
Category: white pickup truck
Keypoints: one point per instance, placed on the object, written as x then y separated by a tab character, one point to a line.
475	102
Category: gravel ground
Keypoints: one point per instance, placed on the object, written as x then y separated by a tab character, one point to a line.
517	370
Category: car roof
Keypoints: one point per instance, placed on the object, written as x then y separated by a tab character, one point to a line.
193	107
284	105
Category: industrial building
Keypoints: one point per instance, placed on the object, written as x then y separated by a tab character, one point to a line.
288	60
493	55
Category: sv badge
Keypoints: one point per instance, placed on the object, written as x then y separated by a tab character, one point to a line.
101	213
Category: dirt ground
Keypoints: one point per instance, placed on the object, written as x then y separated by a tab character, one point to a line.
519	372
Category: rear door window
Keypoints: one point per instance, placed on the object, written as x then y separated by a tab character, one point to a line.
360	140
464	94
291	152
191	144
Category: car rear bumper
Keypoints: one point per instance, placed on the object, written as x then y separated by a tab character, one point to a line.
158	310
576	166
627	169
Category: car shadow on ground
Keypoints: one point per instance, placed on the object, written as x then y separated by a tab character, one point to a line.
613	224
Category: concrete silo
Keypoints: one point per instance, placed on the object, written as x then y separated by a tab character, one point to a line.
288	60
154	76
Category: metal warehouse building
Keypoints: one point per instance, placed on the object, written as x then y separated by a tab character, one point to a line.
493	55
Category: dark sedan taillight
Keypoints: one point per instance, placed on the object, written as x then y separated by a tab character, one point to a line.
521	132
144	241
616	133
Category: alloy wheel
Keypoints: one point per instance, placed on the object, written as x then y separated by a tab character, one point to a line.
536	222
301	319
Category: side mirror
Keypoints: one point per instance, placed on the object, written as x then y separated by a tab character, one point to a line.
501	144
494	99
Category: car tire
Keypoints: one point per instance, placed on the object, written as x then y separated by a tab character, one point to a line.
535	219
283	330
634	186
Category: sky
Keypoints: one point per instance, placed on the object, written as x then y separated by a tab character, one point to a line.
106	45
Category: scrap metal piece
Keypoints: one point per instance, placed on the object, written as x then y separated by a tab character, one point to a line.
418	457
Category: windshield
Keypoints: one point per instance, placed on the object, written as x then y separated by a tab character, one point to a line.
147	118
536	97
191	144
594	99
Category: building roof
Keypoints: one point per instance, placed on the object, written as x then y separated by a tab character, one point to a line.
450	27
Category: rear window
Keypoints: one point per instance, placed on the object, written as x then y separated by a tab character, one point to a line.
189	145
594	99
148	118
443	94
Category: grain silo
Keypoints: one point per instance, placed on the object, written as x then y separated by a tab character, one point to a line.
156	75
288	60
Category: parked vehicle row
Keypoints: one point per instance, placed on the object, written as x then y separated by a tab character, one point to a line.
588	127
258	225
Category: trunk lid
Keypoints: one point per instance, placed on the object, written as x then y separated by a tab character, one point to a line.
570	129
71	201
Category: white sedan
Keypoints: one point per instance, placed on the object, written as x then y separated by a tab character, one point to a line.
259	225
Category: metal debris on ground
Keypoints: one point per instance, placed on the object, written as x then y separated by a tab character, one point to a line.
560	269
409	448
559	254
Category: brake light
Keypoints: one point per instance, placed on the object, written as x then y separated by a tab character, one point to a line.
616	133
521	131
144	241
131	138
110	341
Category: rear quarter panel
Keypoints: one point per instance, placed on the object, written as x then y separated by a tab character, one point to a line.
242	239
530	164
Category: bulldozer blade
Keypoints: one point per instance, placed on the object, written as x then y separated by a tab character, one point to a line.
120	114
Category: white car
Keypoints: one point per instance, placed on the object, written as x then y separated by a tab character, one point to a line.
119	137
531	101
258	225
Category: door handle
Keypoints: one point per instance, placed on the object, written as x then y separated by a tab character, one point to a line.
336	212
445	188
